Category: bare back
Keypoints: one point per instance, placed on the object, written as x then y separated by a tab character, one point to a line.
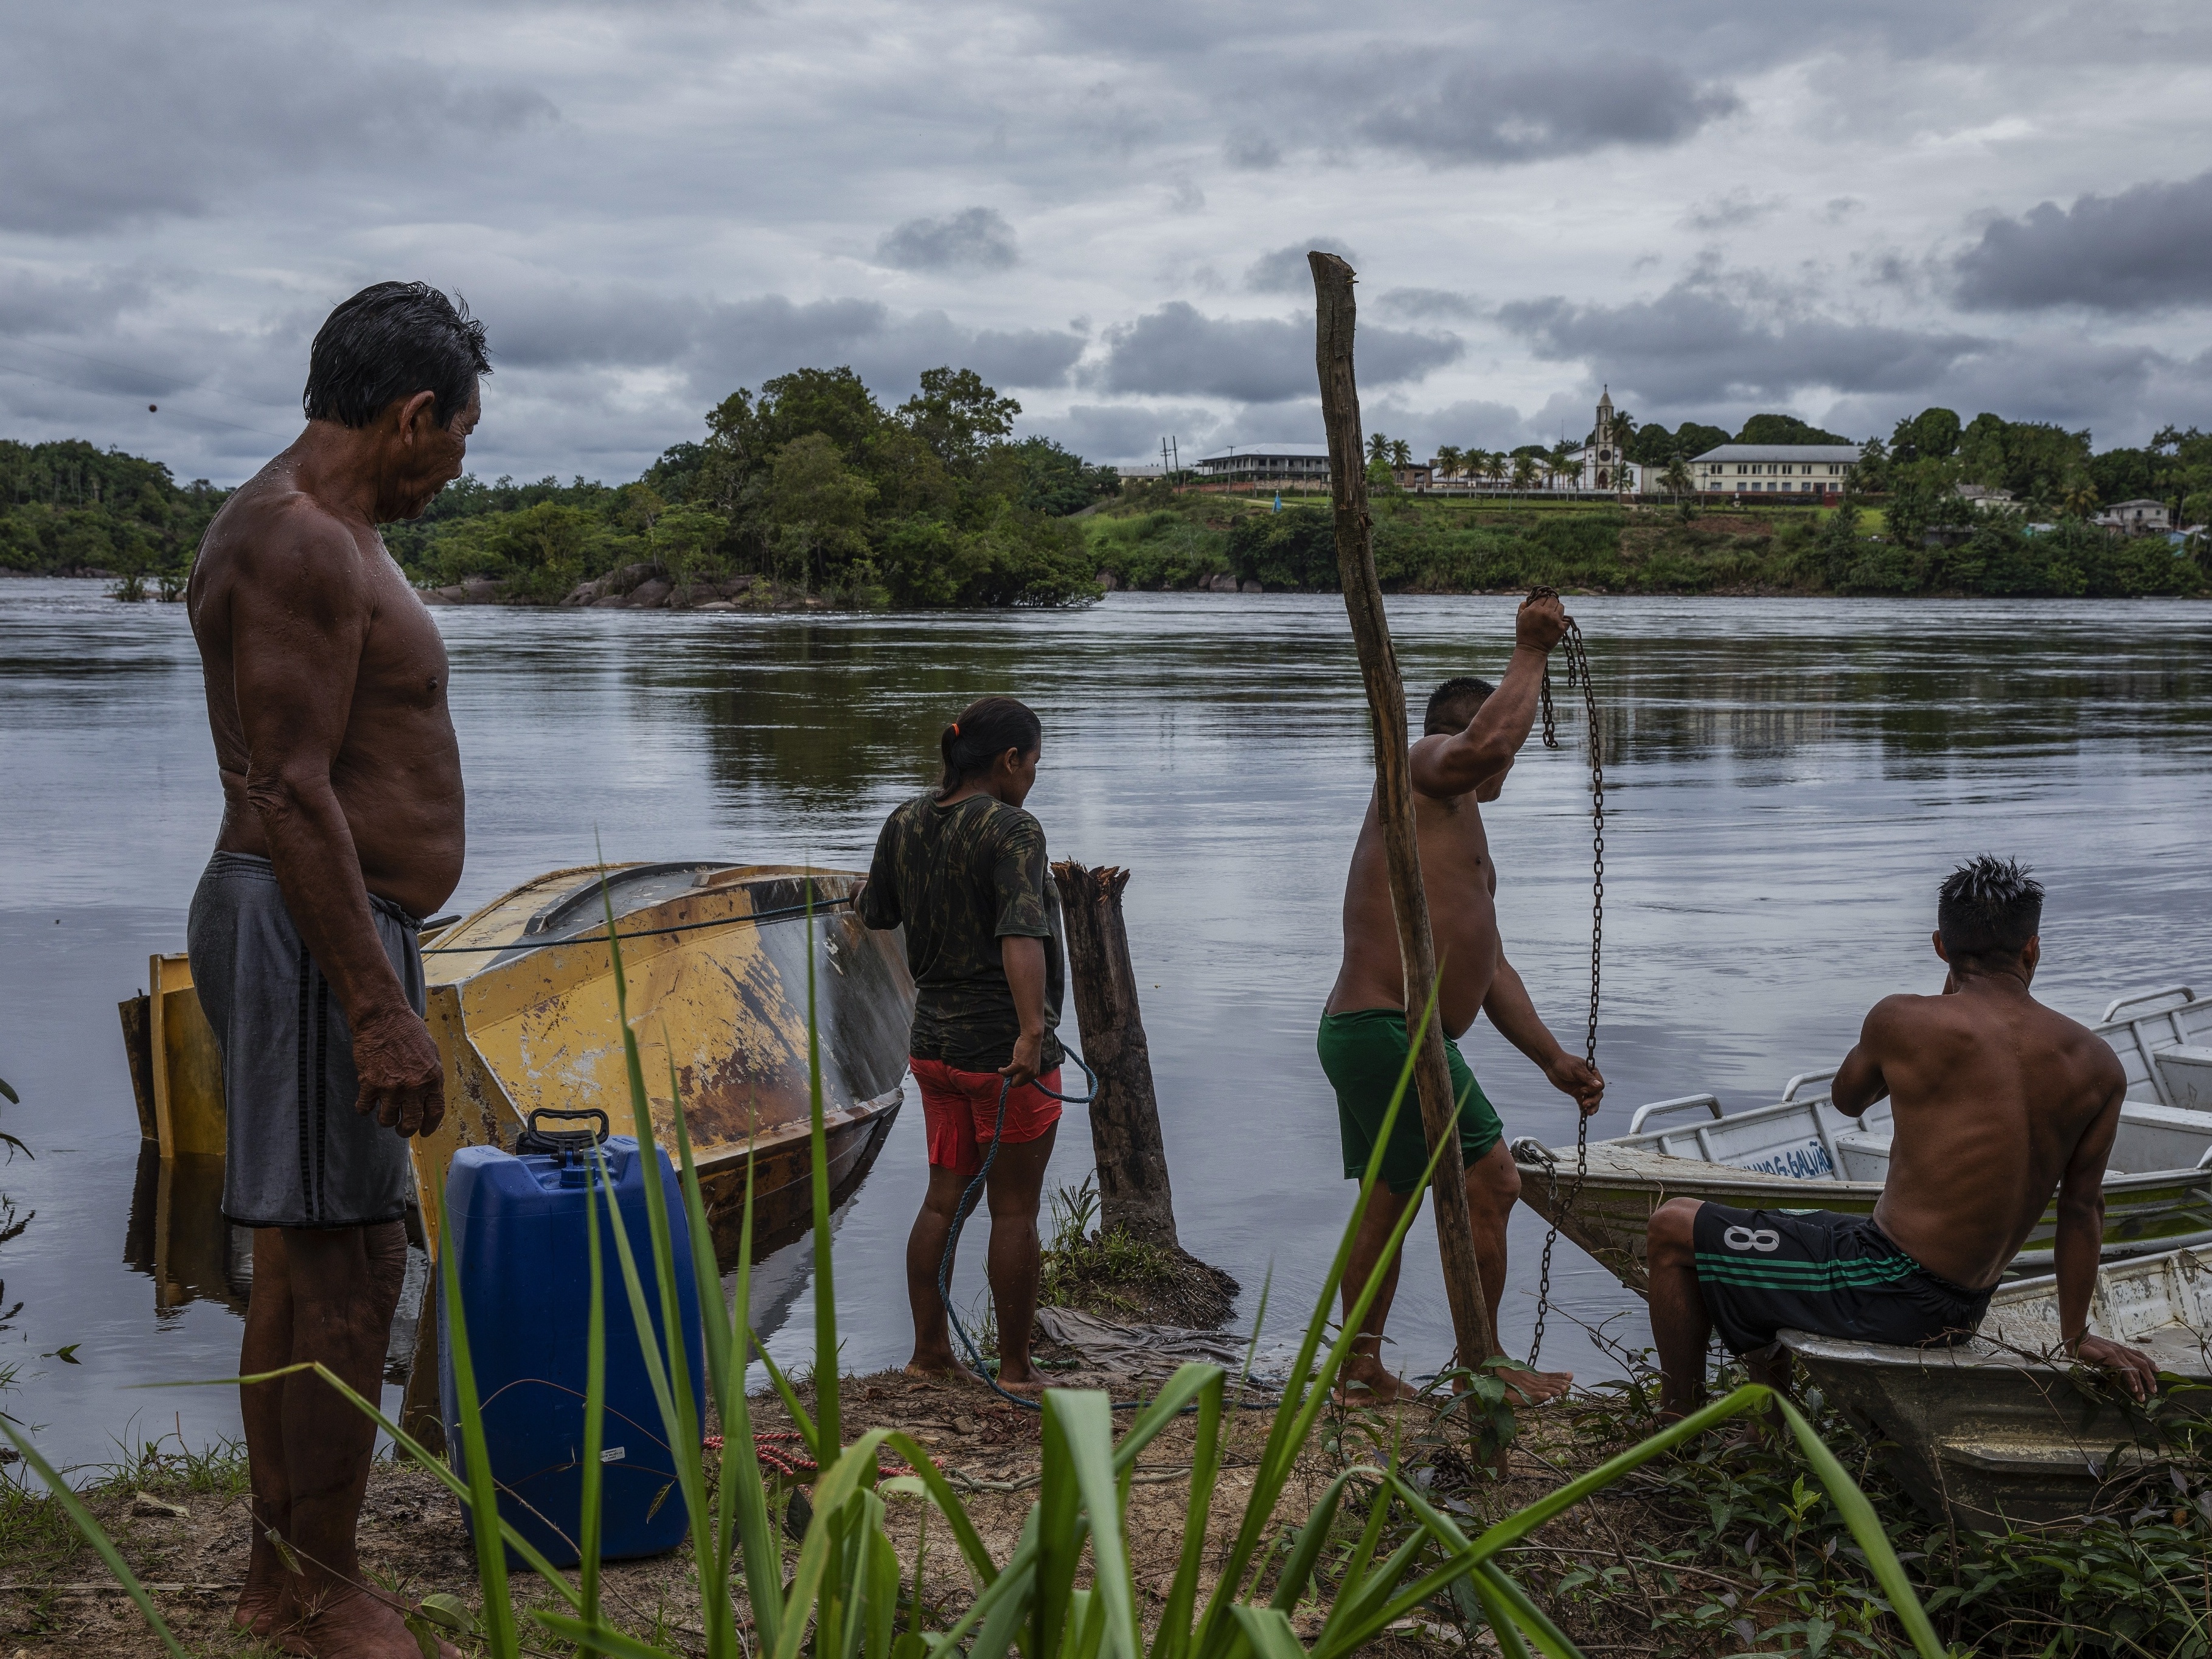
1997	1099
1461	884
293	604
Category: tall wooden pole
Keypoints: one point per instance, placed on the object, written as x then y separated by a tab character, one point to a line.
1393	794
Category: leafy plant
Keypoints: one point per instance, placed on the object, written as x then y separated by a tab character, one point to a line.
848	1584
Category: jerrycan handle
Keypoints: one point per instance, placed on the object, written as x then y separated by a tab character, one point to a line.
559	1142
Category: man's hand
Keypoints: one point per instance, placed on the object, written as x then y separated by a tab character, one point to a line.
403	1077
1541	624
1573	1076
2135	1369
1029	1052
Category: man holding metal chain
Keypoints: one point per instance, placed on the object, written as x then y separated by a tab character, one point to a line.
1471	735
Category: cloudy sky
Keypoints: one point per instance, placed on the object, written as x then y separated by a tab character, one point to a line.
1845	212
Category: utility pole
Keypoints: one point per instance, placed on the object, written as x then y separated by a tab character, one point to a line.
1394	799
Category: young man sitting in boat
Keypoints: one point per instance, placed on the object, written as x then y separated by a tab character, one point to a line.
1470	737
1996	1100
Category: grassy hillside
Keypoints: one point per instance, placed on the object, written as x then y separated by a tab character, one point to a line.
1425	545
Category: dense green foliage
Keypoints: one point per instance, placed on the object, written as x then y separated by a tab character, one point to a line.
812	483
68	506
1428	544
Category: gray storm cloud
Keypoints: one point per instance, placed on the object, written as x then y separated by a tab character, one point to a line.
1480	111
1178	350
1694	345
2142	249
975	239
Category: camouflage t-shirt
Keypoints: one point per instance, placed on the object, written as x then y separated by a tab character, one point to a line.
961	878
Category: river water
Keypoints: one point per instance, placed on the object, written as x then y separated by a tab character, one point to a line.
1788	781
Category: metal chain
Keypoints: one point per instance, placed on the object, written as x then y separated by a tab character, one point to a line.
1577	659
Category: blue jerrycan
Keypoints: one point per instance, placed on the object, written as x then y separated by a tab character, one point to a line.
518	1220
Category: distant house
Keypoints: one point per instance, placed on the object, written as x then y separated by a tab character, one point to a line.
1419	476
1983	495
2137	518
1775	469
1128	474
1251	463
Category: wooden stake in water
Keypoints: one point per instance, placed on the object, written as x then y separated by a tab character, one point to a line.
1393	796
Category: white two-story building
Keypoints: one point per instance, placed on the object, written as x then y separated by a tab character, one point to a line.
1775	469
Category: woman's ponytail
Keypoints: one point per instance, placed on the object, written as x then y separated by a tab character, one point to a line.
987	728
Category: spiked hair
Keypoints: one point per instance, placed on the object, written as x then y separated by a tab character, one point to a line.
1452	704
1988	907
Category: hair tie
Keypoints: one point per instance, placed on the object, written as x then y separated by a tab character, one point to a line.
955	728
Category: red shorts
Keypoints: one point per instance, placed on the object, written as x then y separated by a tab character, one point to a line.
961	1109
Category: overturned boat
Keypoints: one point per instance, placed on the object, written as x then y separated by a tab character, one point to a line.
521	1000
1801	1152
2006	1428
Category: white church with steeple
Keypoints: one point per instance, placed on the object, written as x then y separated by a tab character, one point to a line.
1601	464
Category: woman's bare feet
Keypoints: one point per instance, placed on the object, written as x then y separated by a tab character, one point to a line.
951	1371
1028	1383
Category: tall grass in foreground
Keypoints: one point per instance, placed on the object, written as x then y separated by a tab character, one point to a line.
846	1589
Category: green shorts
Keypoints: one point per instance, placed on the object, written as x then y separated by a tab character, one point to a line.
1364	1054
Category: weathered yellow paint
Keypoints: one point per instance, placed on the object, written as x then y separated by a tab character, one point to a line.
188	1099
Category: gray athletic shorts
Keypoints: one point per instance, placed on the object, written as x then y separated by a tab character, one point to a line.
299	1156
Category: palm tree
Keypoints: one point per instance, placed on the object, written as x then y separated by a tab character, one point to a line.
1378	447
2077	498
1677	477
1496	466
1524	471
1561	460
1401	452
1449	460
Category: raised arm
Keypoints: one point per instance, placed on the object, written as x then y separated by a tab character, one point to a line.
299	618
1459	764
2081	1239
1516	1019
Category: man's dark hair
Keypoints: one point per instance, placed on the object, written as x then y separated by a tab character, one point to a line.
987	728
1452	704
393	340
1988	907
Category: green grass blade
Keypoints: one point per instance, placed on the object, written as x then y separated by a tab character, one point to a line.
595	1637
1500	1614
98	1538
743	1493
789	1396
595	1401
1551	1641
1172	1640
1305	1554
1189	1384
499	1631
1084	1421
707	1546
828	1429
882	1568
1268	1630
1060	1532
1295	1418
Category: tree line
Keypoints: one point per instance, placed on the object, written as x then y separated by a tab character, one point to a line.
811	482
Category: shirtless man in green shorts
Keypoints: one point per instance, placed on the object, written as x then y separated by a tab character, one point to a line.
1469	739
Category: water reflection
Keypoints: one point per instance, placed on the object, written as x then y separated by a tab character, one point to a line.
178	1237
1787	778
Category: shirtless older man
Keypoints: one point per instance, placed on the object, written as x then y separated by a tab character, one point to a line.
341	828
1469	739
1997	1100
